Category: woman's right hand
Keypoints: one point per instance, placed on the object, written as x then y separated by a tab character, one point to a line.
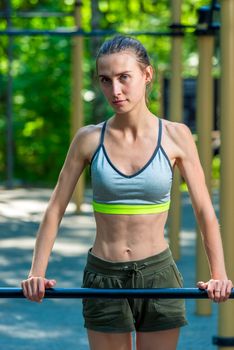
34	287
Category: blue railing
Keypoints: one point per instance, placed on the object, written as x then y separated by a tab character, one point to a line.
67	293
166	293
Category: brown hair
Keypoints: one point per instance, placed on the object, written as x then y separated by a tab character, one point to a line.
122	43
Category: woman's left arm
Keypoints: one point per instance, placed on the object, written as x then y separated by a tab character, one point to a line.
219	286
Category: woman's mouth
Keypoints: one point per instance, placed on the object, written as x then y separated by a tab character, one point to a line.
119	102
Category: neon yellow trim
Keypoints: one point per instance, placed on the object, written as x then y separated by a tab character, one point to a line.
129	209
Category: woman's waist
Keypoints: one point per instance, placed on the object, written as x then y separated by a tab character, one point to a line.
150	264
128	248
130	223
127	238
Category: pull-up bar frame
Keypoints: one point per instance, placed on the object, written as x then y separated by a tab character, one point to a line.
78	293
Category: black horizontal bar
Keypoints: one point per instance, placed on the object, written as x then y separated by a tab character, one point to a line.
67	293
78	32
223	341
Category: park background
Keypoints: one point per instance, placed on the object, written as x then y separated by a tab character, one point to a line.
39	102
42	76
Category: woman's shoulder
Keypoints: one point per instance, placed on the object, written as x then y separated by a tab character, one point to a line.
88	132
178	139
87	139
177	131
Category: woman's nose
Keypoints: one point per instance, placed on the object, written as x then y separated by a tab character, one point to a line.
116	88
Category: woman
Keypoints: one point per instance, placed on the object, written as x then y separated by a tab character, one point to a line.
131	157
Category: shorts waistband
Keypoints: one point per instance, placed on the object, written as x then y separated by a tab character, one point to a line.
149	264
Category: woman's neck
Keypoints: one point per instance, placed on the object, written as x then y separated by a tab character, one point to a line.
135	119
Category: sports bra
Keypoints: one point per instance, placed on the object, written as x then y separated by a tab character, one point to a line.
145	192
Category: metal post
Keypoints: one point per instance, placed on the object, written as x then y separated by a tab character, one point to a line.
226	311
204	118
9	119
161	91
175	114
77	103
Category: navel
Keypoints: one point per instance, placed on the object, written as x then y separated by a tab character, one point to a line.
128	251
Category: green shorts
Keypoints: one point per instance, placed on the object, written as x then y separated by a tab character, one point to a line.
126	315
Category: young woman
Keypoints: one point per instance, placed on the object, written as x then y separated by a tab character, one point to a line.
132	156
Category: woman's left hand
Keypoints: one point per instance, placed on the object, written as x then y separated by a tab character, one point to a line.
218	289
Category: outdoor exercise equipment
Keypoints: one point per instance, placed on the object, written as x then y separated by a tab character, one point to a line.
205	30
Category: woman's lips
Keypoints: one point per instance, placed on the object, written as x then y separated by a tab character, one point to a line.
119	102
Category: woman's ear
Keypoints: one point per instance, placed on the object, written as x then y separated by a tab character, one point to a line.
149	74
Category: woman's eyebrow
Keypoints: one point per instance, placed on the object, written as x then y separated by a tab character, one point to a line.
106	76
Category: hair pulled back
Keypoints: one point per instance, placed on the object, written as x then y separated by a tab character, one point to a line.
122	43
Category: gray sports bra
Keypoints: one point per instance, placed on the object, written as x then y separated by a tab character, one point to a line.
145	192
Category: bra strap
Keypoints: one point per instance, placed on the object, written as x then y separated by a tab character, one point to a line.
159	132
103	133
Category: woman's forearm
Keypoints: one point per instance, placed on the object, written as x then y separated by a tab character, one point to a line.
44	243
213	245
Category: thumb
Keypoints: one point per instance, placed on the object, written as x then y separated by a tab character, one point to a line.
202	285
49	283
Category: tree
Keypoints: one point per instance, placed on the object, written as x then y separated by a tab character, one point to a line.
41	74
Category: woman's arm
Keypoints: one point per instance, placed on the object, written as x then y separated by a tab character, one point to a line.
77	158
190	168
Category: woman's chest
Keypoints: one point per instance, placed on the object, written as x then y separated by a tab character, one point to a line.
129	158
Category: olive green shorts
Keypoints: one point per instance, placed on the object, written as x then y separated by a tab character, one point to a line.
126	315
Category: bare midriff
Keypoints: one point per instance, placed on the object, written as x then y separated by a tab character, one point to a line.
129	237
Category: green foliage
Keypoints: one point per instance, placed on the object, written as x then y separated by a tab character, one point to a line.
216	169
42	75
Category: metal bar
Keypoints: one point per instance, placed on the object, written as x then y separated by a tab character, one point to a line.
9	101
211	13
226	312
68	293
223	341
73	32
34	14
175	115
77	107
204	124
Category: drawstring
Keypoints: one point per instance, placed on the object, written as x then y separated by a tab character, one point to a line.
134	271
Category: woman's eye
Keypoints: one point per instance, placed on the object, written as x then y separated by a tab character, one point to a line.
104	80
124	77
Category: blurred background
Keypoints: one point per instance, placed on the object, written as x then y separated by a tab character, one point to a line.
48	89
36	75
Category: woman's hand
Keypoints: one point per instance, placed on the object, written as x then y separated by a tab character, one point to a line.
34	287
218	290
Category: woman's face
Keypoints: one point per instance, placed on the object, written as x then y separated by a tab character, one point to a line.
122	80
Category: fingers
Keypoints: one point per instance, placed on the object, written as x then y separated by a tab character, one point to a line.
214	290
217	290
49	283
41	289
202	285
34	288
228	289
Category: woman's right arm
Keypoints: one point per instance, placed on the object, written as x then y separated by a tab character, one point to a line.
77	158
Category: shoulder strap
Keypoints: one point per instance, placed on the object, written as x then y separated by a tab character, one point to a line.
103	133
159	132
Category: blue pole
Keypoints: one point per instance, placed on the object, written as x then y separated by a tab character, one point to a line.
77	293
